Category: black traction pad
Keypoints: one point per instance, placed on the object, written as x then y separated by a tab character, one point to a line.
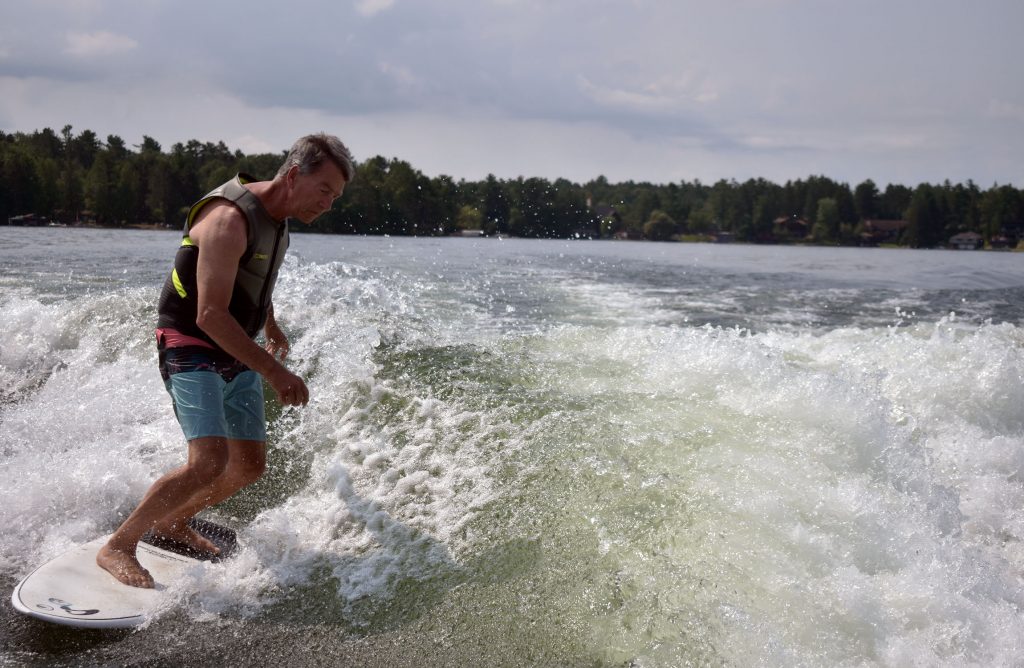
223	537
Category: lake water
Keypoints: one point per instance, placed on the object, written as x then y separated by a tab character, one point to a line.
548	453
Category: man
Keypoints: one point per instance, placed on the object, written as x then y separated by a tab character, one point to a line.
214	303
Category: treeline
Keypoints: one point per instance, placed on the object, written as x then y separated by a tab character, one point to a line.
74	178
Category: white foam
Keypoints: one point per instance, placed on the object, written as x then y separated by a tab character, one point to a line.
385	501
92	426
852	494
794	496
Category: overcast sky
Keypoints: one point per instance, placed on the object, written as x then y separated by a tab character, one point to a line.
901	91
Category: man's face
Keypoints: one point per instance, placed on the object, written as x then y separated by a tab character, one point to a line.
313	194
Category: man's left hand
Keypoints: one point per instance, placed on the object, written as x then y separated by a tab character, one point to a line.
277	342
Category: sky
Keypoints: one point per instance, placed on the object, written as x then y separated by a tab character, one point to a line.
897	91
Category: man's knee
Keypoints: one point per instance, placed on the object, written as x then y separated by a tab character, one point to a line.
248	463
204	473
208	459
250	470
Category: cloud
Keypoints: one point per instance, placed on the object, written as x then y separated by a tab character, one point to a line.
1002	109
248	143
371	7
670	87
401	75
665	95
101	43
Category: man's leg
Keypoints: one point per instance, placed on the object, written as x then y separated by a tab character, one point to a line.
246	462
207	460
245	422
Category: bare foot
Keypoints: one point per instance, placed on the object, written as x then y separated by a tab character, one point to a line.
186	535
124	566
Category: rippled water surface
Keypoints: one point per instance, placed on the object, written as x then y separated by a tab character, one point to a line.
549	453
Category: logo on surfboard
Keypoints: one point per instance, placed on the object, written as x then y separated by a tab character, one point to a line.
66	607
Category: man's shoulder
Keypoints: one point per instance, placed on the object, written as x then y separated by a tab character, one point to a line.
222	220
220	211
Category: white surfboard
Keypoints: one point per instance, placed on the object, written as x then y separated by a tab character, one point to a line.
72	590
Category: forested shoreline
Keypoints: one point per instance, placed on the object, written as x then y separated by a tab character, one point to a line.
80	179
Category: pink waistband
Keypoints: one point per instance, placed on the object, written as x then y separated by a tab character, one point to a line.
172	338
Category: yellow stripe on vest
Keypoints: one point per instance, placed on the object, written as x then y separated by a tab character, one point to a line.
177	284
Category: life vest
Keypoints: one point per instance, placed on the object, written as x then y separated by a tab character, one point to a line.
257	268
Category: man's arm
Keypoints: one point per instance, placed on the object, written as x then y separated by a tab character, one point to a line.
221	235
277	342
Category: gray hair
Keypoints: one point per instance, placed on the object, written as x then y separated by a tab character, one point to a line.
309	152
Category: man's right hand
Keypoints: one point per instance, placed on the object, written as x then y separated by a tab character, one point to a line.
290	389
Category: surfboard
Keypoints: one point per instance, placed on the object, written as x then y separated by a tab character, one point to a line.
72	590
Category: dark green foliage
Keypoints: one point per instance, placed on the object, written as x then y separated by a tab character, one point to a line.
660	227
925	219
826	221
866	200
68	177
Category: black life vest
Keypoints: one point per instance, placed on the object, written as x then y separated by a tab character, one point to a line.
257	268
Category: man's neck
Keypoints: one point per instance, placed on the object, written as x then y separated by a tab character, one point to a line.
272	195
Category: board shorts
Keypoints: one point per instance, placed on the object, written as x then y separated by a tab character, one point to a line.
213	393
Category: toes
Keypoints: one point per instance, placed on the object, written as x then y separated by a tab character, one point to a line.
137	581
125	569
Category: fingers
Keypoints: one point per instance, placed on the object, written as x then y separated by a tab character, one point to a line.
295	394
277	349
291	390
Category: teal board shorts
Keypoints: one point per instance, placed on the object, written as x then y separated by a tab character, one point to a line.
213	393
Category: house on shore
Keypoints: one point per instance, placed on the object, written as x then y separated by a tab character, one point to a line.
628	234
967	241
1002	241
881	231
28	220
790	227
